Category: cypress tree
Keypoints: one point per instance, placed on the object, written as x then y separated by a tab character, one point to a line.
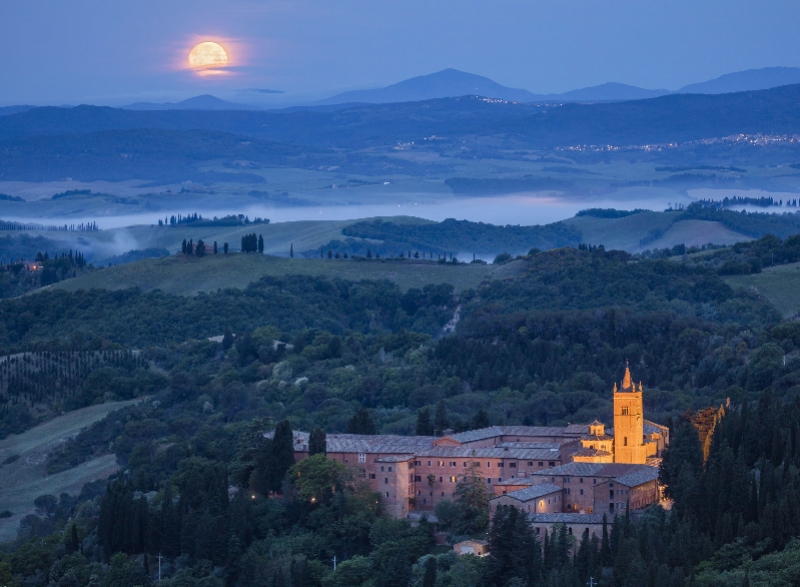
440	420
424	427
605	547
317	443
429	578
74	543
361	423
481	420
260	244
282	453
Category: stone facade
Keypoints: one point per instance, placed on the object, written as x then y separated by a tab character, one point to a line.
417	472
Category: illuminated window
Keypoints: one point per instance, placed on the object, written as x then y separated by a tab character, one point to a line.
624	410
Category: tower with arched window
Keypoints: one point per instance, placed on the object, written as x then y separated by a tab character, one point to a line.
629	422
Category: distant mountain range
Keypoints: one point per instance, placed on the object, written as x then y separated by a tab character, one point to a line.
451	83
671	118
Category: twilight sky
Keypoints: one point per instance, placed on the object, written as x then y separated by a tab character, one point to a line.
121	51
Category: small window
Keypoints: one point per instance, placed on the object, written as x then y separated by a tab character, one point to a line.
501	465
429	463
387	494
440	479
452	463
488	464
362	458
624	410
581	479
417	478
541	464
372	475
488	480
465	465
530	463
417	463
453	479
581	491
512	465
551	464
382	469
625	441
390	469
566	479
385	480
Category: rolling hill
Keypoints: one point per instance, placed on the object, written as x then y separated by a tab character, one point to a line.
203	102
448	83
189	275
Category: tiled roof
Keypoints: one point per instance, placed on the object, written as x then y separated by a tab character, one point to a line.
609	470
545	445
644	474
650	427
532	492
365	443
394	459
558	518
573	430
490	453
516	481
591	452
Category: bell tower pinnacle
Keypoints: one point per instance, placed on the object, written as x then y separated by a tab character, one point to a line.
629	422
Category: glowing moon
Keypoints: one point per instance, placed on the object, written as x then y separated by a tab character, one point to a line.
207	55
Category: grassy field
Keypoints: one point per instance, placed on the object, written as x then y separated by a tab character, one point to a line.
190	275
24	479
780	285
626	233
278	237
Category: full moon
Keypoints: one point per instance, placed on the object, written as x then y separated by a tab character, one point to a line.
207	54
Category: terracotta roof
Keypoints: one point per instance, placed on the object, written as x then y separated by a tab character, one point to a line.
590	452
650	427
542	445
490	453
608	470
644	474
558	518
521	431
394	459
532	492
365	443
516	481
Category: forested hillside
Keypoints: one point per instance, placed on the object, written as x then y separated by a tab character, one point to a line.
312	353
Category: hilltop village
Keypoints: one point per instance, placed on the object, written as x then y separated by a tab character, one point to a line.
571	474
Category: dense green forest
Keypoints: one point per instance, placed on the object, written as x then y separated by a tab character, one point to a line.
330	355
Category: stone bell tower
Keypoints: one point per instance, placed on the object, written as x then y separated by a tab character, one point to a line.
629	422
